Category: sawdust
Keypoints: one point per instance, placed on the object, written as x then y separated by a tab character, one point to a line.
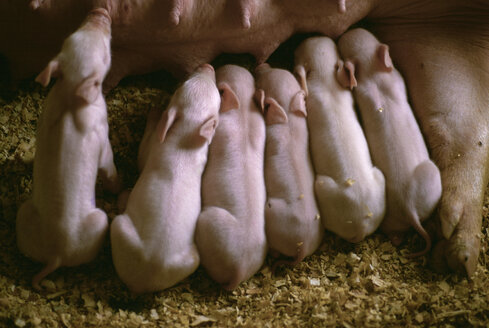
368	284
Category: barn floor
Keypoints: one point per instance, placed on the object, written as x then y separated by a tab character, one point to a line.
368	284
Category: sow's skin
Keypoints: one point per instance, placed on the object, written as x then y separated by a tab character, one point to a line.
413	183
153	241
350	191
230	232
292	221
60	225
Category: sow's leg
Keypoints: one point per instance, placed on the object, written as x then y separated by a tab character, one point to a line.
447	73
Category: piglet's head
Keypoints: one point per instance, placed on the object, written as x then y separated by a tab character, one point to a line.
274	112
84	59
278	95
363	55
195	105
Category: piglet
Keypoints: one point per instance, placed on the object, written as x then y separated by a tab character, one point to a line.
350	191
413	183
230	233
153	244
60	225
292	221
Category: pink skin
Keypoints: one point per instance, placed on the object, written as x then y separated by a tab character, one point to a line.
413	182
292	221
230	232
420	36
153	241
60	225
446	70
350	191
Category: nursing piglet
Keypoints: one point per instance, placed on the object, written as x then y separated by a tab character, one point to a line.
413	184
153	244
230	233
350	191
292	221
60	225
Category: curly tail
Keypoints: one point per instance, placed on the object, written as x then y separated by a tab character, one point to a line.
49	268
419	228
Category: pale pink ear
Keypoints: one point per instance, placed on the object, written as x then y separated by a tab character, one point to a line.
229	100
88	89
298	104
208	129
345	74
384	57
166	121
274	114
300	71
51	70
260	99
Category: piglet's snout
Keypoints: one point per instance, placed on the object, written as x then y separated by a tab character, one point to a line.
208	70
262	68
99	19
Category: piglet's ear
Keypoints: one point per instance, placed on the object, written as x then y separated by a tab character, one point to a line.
208	129
88	89
166	121
298	104
274	113
384	57
51	70
229	100
345	74
260	99
300	71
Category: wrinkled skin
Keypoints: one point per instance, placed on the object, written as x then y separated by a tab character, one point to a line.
421	35
413	185
292	221
350	191
60	225
230	232
153	244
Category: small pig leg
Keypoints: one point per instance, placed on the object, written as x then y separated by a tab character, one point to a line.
107	169
92	234
214	237
127	247
280	236
353	213
138	267
425	191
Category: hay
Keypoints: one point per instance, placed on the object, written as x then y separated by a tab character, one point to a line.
367	284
